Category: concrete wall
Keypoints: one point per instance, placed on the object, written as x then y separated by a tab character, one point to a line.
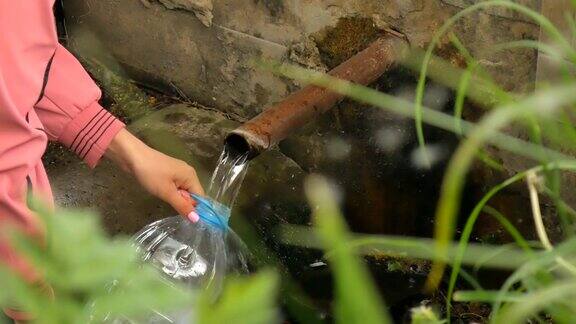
173	49
209	61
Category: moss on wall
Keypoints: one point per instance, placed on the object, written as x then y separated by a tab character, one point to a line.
348	37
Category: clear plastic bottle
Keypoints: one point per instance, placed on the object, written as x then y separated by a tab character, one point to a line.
197	255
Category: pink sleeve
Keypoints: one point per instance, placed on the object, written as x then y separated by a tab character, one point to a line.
70	112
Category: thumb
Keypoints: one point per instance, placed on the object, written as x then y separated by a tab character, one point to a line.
181	201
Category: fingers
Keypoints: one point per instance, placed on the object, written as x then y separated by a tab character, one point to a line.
188	180
182	203
164	176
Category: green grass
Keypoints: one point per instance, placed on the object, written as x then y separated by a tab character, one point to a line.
79	261
95	277
544	114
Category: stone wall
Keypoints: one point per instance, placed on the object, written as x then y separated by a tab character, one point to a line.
205	51
171	45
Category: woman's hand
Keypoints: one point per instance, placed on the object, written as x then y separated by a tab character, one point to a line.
166	178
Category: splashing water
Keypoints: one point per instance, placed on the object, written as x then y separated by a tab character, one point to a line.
228	176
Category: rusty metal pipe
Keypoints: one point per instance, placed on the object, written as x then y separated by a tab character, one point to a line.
277	122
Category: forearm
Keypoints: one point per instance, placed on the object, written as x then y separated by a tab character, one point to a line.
165	177
125	150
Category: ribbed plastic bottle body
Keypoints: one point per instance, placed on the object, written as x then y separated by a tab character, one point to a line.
198	255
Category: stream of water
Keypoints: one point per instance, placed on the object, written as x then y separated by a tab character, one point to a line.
197	255
228	176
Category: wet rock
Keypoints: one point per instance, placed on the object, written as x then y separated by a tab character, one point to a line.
127	101
273	180
201	8
499	11
306	54
167	50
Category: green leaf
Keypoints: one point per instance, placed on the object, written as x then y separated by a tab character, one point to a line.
425	315
357	300
530	304
249	300
79	262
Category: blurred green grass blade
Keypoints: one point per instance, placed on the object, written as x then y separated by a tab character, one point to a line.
546	25
461	97
552	188
559	134
533	44
490	161
509	227
409	247
461	48
138	293
485	296
78	262
470	280
405	108
534	302
561	203
357	300
544	102
298	304
484	92
500	94
570	20
561	313
462	91
249	300
541	264
563	63
498	253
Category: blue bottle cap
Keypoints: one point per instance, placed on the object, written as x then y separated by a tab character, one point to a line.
212	212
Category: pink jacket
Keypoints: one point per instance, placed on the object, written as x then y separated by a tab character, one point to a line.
44	94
